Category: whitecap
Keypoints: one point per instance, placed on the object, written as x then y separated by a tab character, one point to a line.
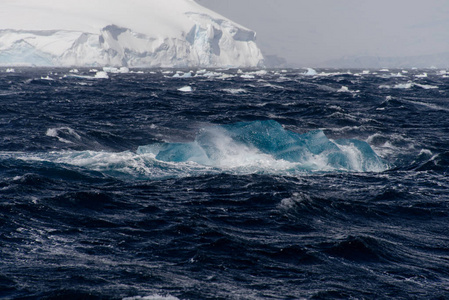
407	85
64	131
310	72
235	91
345	89
424	75
426	86
258	73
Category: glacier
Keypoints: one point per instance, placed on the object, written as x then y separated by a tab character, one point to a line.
131	33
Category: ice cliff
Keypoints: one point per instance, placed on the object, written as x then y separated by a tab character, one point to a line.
132	33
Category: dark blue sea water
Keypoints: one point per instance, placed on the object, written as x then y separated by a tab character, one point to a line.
224	184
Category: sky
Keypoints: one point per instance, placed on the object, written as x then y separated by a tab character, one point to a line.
310	32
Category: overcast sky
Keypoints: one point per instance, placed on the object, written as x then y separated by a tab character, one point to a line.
307	32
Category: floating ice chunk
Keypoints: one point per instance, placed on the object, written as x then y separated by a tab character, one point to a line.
10	70
266	145
47	78
114	70
186	89
124	70
345	89
110	69
185	75
212	74
101	75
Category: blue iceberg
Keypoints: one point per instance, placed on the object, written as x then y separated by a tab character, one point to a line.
265	142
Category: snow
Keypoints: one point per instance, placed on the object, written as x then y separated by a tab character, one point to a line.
118	33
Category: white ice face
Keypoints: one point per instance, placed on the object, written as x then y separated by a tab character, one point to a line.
134	33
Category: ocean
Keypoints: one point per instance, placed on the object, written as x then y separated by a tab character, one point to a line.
224	184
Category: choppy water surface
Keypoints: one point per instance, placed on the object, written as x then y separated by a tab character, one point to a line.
224	184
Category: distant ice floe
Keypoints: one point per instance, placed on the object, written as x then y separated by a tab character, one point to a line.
101	75
114	70
185	89
180	74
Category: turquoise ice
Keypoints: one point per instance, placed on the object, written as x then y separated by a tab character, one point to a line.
219	145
